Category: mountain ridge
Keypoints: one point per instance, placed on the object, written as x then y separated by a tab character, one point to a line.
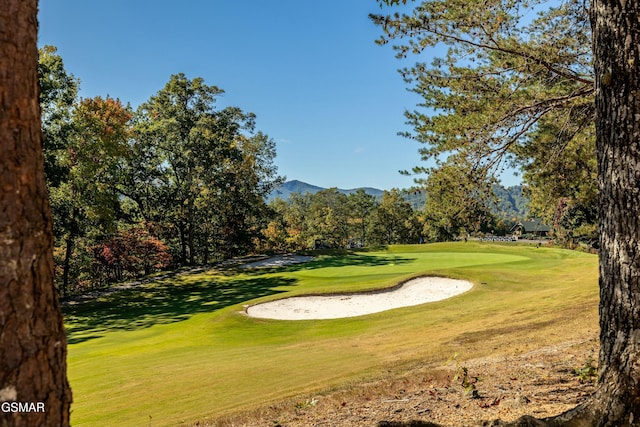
295	186
512	202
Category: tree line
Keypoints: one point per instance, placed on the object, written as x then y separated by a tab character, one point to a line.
332	219
175	181
178	182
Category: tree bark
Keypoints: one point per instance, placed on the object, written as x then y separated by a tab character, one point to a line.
616	44
32	337
616	48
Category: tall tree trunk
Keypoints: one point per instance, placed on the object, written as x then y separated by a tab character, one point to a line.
70	243
183	242
205	248
616	47
32	338
190	232
364	231
616	44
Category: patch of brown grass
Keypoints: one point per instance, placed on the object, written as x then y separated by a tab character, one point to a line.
542	382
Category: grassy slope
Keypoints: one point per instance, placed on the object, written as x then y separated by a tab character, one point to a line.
179	350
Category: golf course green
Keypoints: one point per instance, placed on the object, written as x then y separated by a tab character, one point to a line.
181	350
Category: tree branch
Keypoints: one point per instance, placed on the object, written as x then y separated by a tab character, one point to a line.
497	48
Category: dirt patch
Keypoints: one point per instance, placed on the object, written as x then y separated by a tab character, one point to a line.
541	383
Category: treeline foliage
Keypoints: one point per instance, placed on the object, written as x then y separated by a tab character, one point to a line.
339	219
179	182
175	182
511	85
446	219
331	219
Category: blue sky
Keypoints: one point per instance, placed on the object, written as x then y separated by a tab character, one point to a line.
321	88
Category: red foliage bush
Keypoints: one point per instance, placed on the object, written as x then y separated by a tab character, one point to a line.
131	253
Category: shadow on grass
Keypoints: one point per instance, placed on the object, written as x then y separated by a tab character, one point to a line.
163	302
176	298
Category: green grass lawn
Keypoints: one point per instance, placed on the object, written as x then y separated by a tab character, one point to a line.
180	350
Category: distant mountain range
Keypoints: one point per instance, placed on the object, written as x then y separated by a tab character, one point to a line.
295	186
512	202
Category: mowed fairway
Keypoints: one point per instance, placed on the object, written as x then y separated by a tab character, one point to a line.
180	350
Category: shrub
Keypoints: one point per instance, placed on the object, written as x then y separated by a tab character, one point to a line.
131	253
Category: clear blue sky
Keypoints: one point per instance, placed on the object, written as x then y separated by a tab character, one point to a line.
321	88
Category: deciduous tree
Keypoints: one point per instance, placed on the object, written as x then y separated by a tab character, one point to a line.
297	217
86	199
130	253
362	207
202	173
329	217
58	95
455	206
392	220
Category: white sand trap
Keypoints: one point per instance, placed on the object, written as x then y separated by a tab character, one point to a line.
414	292
278	261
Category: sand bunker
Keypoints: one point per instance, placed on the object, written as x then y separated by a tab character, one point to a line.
278	261
414	292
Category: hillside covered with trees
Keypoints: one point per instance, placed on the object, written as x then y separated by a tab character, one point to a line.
308	216
178	182
174	182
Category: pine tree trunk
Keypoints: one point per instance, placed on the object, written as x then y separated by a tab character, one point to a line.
32	338
616	47
616	40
